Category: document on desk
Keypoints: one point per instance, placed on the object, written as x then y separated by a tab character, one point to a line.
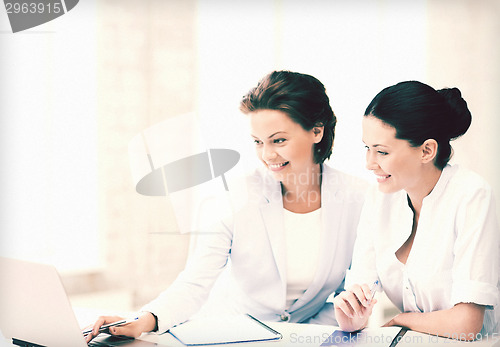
221	330
383	337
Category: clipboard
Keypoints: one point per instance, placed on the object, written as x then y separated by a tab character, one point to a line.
221	330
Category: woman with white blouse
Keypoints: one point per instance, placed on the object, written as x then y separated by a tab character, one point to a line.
429	235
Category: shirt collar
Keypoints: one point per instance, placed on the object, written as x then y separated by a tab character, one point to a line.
446	175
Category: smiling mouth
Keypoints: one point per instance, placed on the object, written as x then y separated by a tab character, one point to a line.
277	166
381	178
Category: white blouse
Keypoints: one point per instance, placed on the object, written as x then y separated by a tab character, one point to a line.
303	232
455	256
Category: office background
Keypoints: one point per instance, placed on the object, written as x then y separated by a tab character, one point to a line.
76	90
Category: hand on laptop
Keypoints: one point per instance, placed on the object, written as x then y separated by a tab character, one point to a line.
145	323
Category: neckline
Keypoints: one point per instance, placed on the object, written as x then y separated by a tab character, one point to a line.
316	211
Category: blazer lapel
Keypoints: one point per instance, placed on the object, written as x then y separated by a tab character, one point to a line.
272	215
331	214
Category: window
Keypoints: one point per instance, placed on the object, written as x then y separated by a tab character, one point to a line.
48	143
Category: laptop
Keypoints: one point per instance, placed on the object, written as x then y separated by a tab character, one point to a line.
35	310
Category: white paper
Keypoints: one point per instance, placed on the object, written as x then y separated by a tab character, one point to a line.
226	329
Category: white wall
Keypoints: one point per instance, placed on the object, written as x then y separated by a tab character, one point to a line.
356	48
49	141
463	52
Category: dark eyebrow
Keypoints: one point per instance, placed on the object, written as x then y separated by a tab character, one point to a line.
377	145
278	132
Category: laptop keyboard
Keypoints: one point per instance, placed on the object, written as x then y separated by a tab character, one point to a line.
108	340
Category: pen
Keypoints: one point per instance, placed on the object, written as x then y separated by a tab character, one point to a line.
373	290
114	324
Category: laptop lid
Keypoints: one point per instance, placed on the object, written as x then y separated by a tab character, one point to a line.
34	307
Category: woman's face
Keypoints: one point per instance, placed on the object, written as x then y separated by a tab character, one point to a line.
284	147
394	162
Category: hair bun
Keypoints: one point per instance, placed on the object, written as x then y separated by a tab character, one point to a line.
459	117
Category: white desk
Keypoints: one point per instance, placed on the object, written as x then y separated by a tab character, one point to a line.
314	335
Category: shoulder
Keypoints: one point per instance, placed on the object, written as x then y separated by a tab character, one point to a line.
259	180
254	177
461	175
465	183
253	187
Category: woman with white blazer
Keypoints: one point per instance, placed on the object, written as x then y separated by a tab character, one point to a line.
290	242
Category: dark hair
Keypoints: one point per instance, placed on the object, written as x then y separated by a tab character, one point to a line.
303	98
418	112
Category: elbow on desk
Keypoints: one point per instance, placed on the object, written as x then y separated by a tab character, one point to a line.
469	330
468	320
462	322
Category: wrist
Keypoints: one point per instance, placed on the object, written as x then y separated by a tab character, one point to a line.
396	320
149	322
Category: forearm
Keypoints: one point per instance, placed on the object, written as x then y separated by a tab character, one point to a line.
147	322
463	321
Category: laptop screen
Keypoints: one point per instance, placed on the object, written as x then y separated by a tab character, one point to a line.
34	306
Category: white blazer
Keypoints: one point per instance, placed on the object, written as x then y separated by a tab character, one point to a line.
252	241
